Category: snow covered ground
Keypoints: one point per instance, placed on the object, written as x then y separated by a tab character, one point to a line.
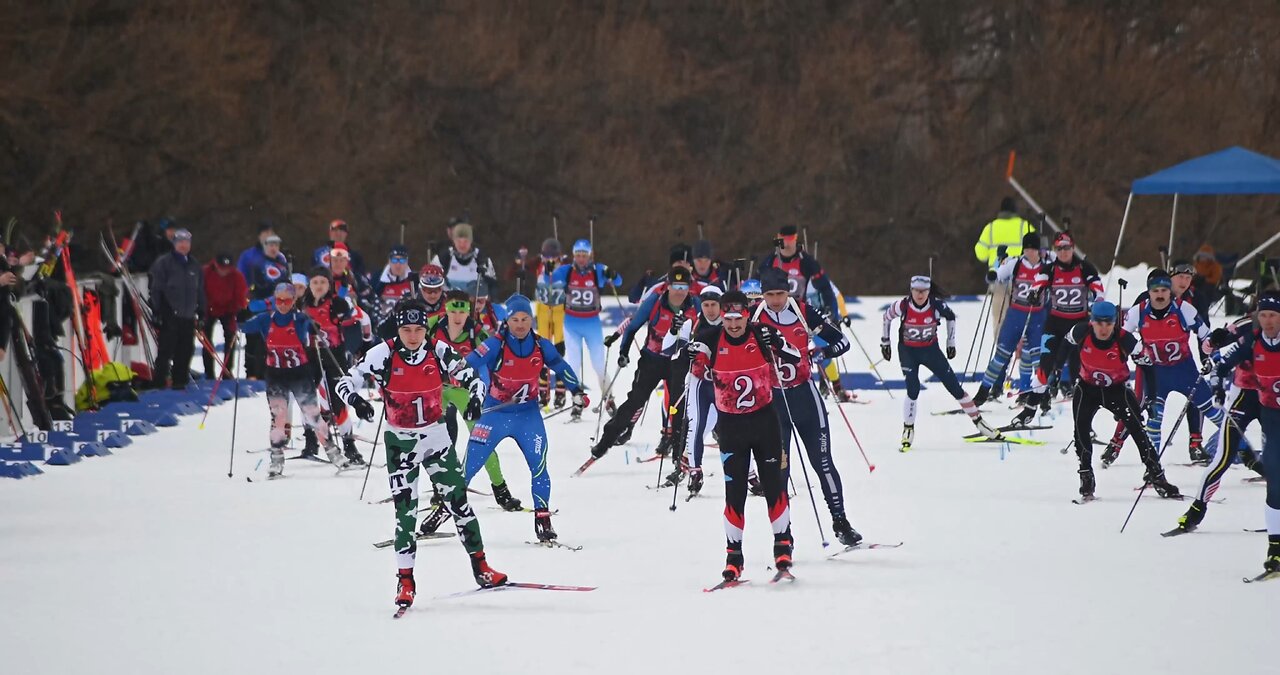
153	561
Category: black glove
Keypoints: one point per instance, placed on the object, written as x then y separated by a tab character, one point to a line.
885	352
1142	358
847	321
112	331
1221	337
1033	298
951	352
676	322
771	339
623	360
1002	252
609	275
475	406
610	339
991	276
362	407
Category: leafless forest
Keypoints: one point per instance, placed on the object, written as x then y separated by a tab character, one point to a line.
881	126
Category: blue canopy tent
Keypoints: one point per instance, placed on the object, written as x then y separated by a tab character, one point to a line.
1234	171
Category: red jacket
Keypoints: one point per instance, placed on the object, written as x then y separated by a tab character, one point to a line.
226	294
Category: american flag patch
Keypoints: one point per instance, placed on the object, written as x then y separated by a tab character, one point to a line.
397	371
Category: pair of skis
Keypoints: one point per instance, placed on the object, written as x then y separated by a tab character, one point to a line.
510	585
785	575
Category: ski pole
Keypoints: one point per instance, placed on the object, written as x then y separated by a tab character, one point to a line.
974	341
870	467
1168	439
235	410
874	371
677	447
795	443
373	453
15	421
222	370
670	412
604	396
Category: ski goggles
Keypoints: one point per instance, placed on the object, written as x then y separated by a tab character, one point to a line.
679	287
286	289
399	259
921	283
1184	268
734	310
457	306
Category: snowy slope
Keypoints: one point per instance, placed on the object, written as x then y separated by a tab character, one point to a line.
153	561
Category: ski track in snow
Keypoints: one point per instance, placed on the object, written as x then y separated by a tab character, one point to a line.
153	561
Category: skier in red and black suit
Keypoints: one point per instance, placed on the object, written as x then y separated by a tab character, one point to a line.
741	360
1099	353
328	311
1258	354
1071	284
665	312
803	407
802	270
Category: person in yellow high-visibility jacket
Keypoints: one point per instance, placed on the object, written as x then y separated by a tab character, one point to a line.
1006	230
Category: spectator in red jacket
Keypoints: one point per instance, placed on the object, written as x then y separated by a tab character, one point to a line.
228	295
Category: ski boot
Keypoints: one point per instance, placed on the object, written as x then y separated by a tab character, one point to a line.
486	577
435	518
1191	519
276	469
986	429
1045	400
1111	453
842	395
544	395
782	545
1155	478
405	587
1024	399
983	395
310	447
350	452
1195	448
665	445
1024	416
1087	485
1250	460
844	531
625	435
334	454
561	394
542	525
1272	564
575	414
695	481
733	564
610	407
908	436
502	495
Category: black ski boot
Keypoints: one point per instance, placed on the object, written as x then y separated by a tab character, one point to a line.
311	448
1111	453
665	444
560	398
624	436
1087	484
502	494
542	525
844	531
599	450
1191	519
782	545
1024	417
1155	478
733	564
1250	460
695	481
983	395
435	518
354	458
1195	449
1272	563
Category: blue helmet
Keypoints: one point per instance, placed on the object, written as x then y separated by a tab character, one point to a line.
582	246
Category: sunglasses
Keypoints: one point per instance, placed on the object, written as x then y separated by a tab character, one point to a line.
679	287
1067	247
399	260
457	306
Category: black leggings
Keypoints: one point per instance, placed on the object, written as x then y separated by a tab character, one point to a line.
1088	399
742	436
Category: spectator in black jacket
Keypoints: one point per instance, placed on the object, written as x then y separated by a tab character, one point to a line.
177	303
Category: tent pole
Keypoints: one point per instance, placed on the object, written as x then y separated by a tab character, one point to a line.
1116	256
1173	220
1249	256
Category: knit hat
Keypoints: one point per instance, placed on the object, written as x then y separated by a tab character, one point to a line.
399	251
1063	239
340	250
1158	278
1269	302
711	292
701	249
680	253
462	231
339	224
1008	205
318	271
431	276
182	235
299	279
1103	311
582	246
411	313
735	304
1030	240
518	303
774	279
551	248
679	275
